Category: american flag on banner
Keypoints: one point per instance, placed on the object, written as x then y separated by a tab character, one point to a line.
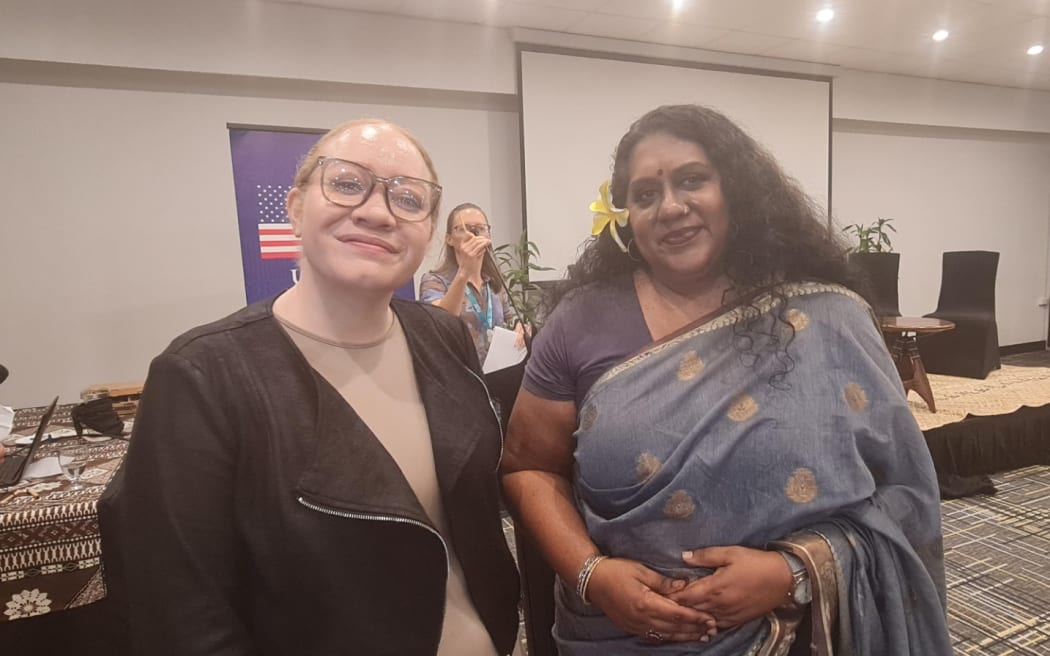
276	239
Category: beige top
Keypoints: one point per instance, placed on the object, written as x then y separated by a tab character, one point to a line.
379	382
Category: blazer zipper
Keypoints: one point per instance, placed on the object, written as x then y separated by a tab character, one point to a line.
389	518
499	422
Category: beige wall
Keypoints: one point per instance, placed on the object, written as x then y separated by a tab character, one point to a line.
120	226
954	190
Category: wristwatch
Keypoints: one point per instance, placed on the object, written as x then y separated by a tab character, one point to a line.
800	592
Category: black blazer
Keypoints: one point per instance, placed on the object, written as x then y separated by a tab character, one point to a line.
256	513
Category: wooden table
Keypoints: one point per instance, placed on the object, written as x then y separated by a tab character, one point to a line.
905	351
50	547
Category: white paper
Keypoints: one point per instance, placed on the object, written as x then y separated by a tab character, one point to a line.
50	435
43	468
503	352
7	419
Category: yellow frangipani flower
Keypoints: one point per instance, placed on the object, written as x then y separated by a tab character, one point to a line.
607	215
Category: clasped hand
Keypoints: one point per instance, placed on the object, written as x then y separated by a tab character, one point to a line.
470	254
637	600
746	584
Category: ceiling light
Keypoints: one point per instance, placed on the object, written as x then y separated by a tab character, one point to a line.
940	35
677	4
1035	50
824	15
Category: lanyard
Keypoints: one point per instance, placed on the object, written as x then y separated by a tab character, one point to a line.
486	321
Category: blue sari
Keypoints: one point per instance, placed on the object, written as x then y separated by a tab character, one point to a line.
782	419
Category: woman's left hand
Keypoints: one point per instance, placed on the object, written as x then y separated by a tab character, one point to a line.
522	331
747	583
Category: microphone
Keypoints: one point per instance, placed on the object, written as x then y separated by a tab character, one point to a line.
3	373
490	255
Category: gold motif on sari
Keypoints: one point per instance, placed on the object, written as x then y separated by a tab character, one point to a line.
680	505
743	408
690	366
648	465
801	486
798	319
856	397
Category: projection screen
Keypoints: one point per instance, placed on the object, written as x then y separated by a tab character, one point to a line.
575	108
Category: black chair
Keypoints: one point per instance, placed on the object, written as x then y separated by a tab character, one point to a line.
881	271
537	595
503	387
968	299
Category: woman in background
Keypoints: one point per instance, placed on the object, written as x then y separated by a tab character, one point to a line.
467	283
711	427
315	474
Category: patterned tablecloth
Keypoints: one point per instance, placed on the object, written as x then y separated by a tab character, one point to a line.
50	550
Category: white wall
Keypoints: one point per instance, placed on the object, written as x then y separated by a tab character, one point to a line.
567	143
917	101
954	191
130	101
121	228
253	37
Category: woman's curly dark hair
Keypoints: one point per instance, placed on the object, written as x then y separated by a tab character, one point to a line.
777	233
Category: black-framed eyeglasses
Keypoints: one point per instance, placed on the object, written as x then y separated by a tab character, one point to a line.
349	184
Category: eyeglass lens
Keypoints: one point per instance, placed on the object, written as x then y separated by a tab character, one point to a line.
475	229
349	184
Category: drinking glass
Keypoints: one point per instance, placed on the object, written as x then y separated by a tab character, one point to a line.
73	460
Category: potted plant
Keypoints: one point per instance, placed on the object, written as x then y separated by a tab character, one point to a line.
873	257
872	238
515	264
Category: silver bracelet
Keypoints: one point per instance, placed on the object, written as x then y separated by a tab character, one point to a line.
584	577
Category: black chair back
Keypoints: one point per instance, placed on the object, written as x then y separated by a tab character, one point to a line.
881	270
967	299
503	387
537	588
968	282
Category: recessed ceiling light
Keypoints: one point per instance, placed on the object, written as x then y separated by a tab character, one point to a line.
1035	50
824	15
677	4
940	35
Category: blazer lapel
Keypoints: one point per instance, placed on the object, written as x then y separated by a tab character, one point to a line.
453	398
350	469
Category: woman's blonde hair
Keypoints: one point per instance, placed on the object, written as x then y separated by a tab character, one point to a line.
309	161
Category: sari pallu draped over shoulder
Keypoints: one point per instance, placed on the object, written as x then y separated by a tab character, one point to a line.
781	420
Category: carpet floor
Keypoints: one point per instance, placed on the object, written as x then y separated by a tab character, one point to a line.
997	566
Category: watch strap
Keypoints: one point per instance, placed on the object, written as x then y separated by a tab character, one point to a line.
800	592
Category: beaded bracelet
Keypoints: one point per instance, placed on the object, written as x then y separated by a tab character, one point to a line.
584	577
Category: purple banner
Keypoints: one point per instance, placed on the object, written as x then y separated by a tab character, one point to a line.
264	163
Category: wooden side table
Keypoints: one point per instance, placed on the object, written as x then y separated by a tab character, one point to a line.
905	351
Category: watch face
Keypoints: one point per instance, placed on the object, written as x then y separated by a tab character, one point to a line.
802	592
800	589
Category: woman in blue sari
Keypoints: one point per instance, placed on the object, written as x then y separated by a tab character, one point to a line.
712	446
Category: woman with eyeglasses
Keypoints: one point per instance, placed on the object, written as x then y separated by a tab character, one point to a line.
467	283
316	474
